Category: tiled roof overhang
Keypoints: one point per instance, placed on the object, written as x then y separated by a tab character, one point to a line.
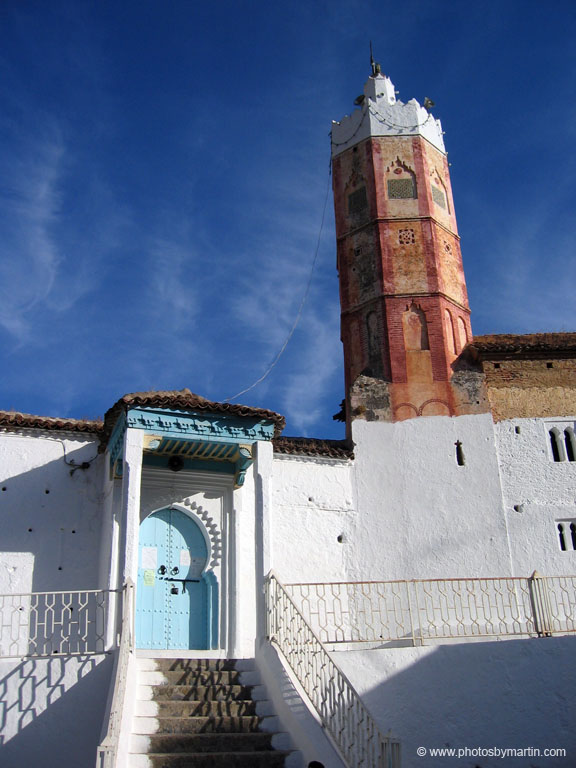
310	446
523	346
13	420
185	400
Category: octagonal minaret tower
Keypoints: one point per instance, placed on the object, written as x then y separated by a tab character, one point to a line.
404	305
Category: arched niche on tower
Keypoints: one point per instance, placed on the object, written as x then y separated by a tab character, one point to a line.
416	345
400	181
462	333
415	328
373	343
439	191
450	332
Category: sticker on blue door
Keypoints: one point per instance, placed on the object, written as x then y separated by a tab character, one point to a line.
174	596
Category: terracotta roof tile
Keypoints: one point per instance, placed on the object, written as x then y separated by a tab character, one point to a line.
311	446
526	345
12	420
184	399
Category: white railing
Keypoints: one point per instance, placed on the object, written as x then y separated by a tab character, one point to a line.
108	749
53	623
343	715
435	610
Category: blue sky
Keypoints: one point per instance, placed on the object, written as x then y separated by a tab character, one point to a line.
164	166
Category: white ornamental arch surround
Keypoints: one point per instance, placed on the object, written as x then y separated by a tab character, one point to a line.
207	524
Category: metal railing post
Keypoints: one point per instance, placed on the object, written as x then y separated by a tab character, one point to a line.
540	602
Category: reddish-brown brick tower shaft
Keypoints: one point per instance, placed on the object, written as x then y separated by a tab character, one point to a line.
405	314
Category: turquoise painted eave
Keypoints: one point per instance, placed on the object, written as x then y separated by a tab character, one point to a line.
214	427
194	436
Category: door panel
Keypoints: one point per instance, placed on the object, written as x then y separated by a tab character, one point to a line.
171	613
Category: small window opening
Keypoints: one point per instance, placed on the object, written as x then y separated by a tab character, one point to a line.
357	201
517	430
569	442
549	365
555	445
496	365
459	454
561	536
573	534
401	189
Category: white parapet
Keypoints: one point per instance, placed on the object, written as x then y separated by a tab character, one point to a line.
381	114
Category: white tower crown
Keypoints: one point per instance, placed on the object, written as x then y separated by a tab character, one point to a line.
381	114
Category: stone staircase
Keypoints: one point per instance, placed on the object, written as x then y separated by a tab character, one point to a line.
195	713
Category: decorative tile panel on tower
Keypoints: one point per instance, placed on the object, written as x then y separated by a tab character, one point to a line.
405	315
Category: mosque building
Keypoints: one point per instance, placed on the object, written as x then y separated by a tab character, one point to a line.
181	584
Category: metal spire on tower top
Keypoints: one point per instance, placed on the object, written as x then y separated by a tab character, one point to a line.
376	70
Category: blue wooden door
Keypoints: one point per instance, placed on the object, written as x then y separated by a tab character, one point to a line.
171	600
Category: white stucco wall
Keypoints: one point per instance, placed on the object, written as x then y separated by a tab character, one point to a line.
51	710
51	519
514	693
543	492
311	506
420	514
402	509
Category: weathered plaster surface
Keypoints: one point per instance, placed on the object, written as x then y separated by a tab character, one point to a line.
515	693
538	492
418	513
311	507
52	710
529	388
51	515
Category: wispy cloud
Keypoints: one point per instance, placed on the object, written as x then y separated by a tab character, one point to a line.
173	294
319	359
30	207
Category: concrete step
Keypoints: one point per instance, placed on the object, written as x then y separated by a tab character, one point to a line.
201	742
202	677
197	664
211	724
207	708
204	712
168	692
266	759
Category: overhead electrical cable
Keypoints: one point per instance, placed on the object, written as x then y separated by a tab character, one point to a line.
300	308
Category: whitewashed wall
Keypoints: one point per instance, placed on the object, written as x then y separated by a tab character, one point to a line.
51	535
52	710
402	509
310	507
420	514
543	492
515	693
51	520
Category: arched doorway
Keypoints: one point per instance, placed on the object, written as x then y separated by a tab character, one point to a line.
175	597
